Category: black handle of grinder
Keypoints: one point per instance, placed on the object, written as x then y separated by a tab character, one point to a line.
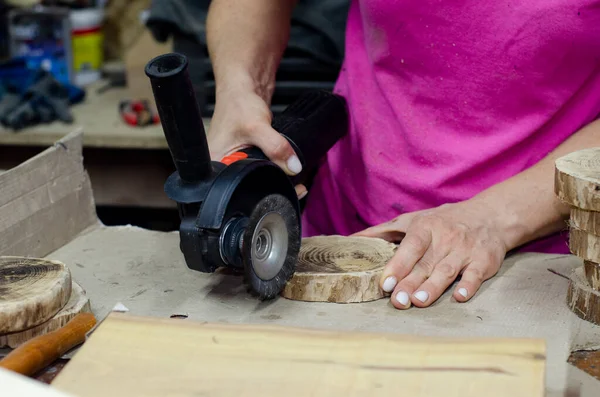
312	125
180	116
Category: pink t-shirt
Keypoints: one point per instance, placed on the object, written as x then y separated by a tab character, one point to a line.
450	97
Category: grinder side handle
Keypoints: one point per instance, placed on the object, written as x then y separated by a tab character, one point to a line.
312	124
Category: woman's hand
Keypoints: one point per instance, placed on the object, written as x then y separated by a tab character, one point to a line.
436	247
242	119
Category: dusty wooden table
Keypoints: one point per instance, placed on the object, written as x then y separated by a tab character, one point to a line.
127	165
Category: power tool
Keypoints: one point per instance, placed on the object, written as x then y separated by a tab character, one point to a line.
241	212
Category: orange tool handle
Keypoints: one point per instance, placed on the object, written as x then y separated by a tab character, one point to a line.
43	350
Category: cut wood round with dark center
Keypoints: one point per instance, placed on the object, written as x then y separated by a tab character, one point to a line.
78	303
32	291
577	179
582	299
584	245
339	269
588	221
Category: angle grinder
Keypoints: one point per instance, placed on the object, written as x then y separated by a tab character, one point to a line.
241	212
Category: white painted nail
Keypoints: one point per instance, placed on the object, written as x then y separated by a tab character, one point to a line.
402	297
463	292
302	195
294	165
422	295
389	284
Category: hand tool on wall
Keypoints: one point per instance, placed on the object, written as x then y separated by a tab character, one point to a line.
41	351
241	212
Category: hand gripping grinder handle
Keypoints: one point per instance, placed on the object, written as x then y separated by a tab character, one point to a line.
241	212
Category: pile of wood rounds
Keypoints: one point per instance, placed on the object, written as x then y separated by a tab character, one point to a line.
37	296
577	183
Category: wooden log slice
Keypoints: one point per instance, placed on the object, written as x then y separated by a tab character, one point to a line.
588	221
582	299
584	245
32	291
78	303
592	274
577	179
339	269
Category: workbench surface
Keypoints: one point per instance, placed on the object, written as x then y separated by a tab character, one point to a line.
99	118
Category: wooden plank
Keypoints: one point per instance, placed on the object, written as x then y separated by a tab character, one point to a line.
46	201
99	118
120	359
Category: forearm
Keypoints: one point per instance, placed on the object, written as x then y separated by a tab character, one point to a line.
525	206
246	40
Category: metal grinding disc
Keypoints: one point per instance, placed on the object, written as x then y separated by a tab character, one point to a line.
270	245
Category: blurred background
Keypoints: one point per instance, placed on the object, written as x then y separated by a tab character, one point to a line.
75	64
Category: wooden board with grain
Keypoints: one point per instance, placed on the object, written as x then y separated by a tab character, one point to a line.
32	291
339	269
206	359
78	303
577	179
582	299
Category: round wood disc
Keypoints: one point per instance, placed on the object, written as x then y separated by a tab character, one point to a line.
32	291
592	274
582	299
577	179
78	303
584	245
339	269
588	221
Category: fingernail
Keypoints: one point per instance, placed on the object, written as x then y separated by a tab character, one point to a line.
302	195
389	284
463	292
294	165
422	296
402	297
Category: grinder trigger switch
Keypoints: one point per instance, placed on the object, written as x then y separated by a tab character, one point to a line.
241	212
231	158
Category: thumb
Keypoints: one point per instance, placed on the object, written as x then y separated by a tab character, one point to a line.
392	231
277	149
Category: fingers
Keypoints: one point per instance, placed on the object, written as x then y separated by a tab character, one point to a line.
301	191
443	275
276	148
411	250
474	275
405	289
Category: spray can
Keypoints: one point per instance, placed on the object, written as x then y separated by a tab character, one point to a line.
87	44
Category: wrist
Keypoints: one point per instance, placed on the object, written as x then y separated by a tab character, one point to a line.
236	83
518	221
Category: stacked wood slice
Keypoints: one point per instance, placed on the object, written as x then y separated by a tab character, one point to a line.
577	183
37	296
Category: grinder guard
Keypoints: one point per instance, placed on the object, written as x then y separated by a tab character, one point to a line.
218	202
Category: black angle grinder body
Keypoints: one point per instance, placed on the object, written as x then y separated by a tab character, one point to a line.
241	212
